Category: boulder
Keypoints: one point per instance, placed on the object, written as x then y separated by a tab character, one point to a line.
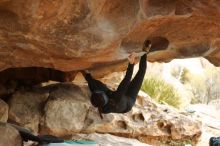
26	107
3	111
9	136
72	35
66	110
148	122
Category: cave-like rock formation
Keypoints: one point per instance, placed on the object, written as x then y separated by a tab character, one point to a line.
71	35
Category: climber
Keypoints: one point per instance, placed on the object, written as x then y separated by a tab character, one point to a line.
123	99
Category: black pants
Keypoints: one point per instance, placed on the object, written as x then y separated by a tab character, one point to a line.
136	83
43	139
126	87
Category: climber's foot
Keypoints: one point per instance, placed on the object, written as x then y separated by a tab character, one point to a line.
146	46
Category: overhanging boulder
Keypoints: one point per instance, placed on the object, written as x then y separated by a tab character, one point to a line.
71	35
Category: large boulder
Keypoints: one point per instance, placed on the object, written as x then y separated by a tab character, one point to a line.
9	136
26	107
71	35
67	111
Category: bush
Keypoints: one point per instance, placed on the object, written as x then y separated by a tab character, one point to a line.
161	91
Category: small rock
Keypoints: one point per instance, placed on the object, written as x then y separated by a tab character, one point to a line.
9	136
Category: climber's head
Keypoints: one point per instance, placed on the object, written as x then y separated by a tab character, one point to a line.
99	98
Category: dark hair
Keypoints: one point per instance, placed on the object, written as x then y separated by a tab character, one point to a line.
99	98
214	141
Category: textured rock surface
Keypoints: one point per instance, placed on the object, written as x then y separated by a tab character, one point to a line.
9	136
65	111
3	111
209	117
68	111
26	108
110	140
70	35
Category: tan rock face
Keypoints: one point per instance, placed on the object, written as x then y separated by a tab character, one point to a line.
3	111
68	111
9	136
70	35
26	108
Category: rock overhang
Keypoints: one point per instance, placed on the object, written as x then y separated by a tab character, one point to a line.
74	35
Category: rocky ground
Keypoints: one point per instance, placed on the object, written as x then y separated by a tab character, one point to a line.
64	110
211	122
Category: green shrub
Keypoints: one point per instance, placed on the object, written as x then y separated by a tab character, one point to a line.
184	75
161	91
